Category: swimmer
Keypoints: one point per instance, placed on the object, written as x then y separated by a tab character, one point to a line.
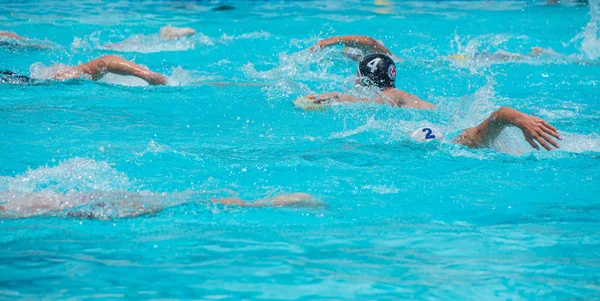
356	46
376	71
502	56
12	40
10	35
168	33
117	204
93	70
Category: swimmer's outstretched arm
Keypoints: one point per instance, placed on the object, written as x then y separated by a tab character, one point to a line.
534	130
114	64
364	43
11	35
397	98
335	96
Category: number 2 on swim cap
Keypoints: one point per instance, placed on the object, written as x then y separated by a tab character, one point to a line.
428	134
373	64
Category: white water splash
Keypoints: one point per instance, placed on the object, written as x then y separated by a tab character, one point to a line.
77	174
143	43
590	37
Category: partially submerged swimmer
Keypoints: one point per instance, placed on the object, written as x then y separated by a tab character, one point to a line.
377	71
11	35
117	204
168	33
93	70
12	40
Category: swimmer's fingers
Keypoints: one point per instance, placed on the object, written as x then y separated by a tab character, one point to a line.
543	140
548	128
548	139
532	143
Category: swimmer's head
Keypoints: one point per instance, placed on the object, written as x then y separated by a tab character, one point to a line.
377	70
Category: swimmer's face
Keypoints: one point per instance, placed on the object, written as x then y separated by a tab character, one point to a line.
362	80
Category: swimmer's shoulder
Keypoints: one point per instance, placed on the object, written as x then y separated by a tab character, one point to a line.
396	96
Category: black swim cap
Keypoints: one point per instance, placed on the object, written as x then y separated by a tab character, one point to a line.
379	69
9	77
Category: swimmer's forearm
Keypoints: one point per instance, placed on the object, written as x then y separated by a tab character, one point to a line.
488	130
363	42
342	97
99	67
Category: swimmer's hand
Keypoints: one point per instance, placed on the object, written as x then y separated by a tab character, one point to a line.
155	79
535	130
323	43
174	33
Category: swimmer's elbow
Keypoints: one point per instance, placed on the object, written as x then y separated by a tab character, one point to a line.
470	137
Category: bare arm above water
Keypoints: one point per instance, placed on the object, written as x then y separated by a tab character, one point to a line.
535	130
364	43
97	68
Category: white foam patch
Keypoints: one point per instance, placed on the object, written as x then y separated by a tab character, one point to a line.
30	44
144	43
590	37
256	35
73	174
41	71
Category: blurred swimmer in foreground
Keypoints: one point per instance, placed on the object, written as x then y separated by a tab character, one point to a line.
92	70
118	204
168	33
378	72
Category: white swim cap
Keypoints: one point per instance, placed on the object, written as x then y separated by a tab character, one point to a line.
426	134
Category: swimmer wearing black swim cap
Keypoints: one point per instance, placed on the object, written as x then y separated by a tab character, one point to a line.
379	71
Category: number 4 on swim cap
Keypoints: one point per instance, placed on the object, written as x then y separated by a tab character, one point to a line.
426	134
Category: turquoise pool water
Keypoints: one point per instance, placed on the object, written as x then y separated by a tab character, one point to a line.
401	221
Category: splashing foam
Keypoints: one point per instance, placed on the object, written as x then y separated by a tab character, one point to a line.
590	36
143	43
79	187
296	69
73	174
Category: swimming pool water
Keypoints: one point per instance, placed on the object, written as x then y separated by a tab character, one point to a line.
402	221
